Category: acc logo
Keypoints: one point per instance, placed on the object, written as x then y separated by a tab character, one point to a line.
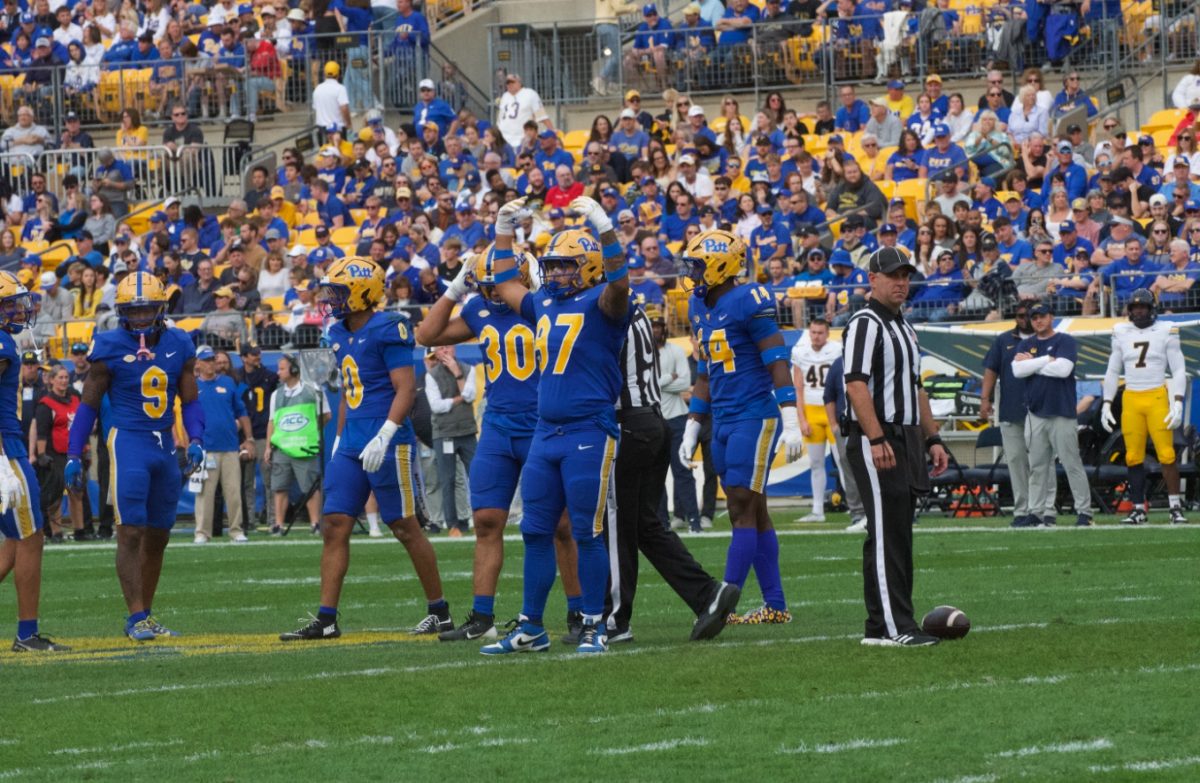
293	422
359	270
714	246
129	358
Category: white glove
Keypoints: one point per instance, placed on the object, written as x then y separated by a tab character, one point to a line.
1175	417
11	489
506	218
460	285
691	436
792	438
1106	418
336	440
373	453
593	212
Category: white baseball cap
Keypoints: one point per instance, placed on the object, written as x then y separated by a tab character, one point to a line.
628	114
695	111
48	279
298	250
425	84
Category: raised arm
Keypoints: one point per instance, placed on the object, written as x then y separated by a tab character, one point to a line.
614	300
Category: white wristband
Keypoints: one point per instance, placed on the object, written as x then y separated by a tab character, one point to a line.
387	430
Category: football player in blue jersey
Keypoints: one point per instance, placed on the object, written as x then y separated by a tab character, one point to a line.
142	367
509	419
742	381
375	450
20	502
581	315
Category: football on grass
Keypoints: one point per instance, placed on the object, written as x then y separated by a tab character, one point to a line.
946	622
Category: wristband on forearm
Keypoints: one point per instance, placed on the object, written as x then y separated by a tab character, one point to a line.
877	441
934	441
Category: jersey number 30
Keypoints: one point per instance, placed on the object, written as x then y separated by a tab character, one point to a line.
154	392
517	356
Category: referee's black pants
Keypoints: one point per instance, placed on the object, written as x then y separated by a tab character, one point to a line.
641	478
890	500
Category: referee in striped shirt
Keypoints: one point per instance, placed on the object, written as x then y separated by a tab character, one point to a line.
890	430
643	458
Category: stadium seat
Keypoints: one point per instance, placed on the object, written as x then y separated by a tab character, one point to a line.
346	235
1164	119
575	139
912	191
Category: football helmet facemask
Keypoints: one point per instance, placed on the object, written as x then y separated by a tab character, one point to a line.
16	304
572	262
1147	308
352	284
711	258
141	303
483	276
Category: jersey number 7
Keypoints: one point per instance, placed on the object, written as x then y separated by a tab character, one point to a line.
573	323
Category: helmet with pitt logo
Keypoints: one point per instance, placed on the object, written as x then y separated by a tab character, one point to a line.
573	246
711	258
141	303
350	285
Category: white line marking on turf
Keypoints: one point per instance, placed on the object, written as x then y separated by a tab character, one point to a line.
988	778
1154	765
115	748
1130	599
652	747
203	755
1081	746
842	747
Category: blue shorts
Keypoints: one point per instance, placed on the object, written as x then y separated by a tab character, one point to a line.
496	468
397	484
144	480
26	519
571	467
742	451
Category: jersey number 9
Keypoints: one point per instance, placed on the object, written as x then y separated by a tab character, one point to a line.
352	386
154	390
518	352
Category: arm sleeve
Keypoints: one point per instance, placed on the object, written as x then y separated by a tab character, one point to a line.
45	421
437	403
1175	361
468	392
1029	367
1113	373
1058	368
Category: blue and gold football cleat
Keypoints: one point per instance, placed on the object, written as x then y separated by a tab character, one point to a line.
141	631
764	615
159	629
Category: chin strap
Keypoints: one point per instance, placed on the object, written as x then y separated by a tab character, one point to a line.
143	353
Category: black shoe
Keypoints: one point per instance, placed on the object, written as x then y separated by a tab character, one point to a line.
433	528
574	628
1177	517
83	535
1025	521
38	643
1083	520
477	626
315	630
55	538
105	533
1049	521
712	620
1136	517
618	635
913	639
438	622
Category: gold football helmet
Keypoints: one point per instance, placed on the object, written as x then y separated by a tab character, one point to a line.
141	303
573	246
16	304
483	275
352	284
711	258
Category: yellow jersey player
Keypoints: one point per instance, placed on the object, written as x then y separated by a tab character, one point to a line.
1143	350
812	356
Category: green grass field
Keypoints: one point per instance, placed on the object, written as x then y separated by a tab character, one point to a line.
1082	665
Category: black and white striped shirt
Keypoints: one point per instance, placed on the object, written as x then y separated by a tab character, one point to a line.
639	357
881	349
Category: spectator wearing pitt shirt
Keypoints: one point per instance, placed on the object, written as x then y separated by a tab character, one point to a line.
227	427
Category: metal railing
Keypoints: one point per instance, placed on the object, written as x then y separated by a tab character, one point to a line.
564	60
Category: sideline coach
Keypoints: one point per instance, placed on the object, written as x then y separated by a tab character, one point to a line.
890	429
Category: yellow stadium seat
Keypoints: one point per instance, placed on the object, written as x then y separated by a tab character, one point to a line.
1162	138
717	125
576	139
219	269
307	237
912	191
275	302
57	253
1164	119
358	215
887	188
346	235
189	324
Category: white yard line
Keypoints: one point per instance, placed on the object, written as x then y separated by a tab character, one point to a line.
652	747
1153	765
842	747
115	748
1081	746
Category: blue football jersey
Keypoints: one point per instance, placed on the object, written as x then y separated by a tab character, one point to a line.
579	354
509	365
143	391
10	386
365	359
739	384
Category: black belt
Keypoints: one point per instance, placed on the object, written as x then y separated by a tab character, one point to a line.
854	429
642	410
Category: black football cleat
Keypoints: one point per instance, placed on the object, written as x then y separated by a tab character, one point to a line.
574	628
911	639
711	621
1135	517
314	631
38	643
437	622
477	626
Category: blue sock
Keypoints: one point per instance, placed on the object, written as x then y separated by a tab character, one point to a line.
327	614
137	617
485	604
575	603
437	606
540	571
26	628
742	551
593	574
766	570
